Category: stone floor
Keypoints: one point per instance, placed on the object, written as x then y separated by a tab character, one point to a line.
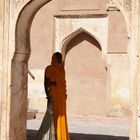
89	128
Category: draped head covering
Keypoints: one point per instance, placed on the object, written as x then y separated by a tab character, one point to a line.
55	73
57	61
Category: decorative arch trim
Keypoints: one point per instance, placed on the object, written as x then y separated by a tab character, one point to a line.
75	33
71	36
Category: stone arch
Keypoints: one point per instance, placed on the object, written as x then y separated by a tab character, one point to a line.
83	52
19	69
71	36
24	21
125	14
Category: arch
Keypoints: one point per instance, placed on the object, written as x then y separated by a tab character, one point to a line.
19	69
125	15
23	25
83	56
71	36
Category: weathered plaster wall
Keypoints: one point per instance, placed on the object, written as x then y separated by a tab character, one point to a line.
86	77
117	33
36	95
1	44
131	11
110	31
125	7
4	69
97	27
138	118
120	84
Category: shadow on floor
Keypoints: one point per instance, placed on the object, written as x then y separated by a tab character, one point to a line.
78	136
31	134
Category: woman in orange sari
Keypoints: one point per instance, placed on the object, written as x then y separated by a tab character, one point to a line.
55	88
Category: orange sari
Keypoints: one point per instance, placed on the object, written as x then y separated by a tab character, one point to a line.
56	73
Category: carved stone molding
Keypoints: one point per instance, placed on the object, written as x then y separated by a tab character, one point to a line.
96	27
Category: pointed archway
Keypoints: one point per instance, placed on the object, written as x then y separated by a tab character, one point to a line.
71	36
85	74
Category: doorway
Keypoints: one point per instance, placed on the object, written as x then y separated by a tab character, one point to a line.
85	76
81	64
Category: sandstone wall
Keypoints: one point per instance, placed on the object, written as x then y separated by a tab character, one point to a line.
111	32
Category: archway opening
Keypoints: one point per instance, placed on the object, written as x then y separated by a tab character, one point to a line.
85	76
89	99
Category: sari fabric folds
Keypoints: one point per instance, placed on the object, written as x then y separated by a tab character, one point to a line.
56	93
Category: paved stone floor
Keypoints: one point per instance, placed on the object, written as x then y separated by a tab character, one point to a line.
89	128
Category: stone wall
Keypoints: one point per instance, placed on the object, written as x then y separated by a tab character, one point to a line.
109	30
